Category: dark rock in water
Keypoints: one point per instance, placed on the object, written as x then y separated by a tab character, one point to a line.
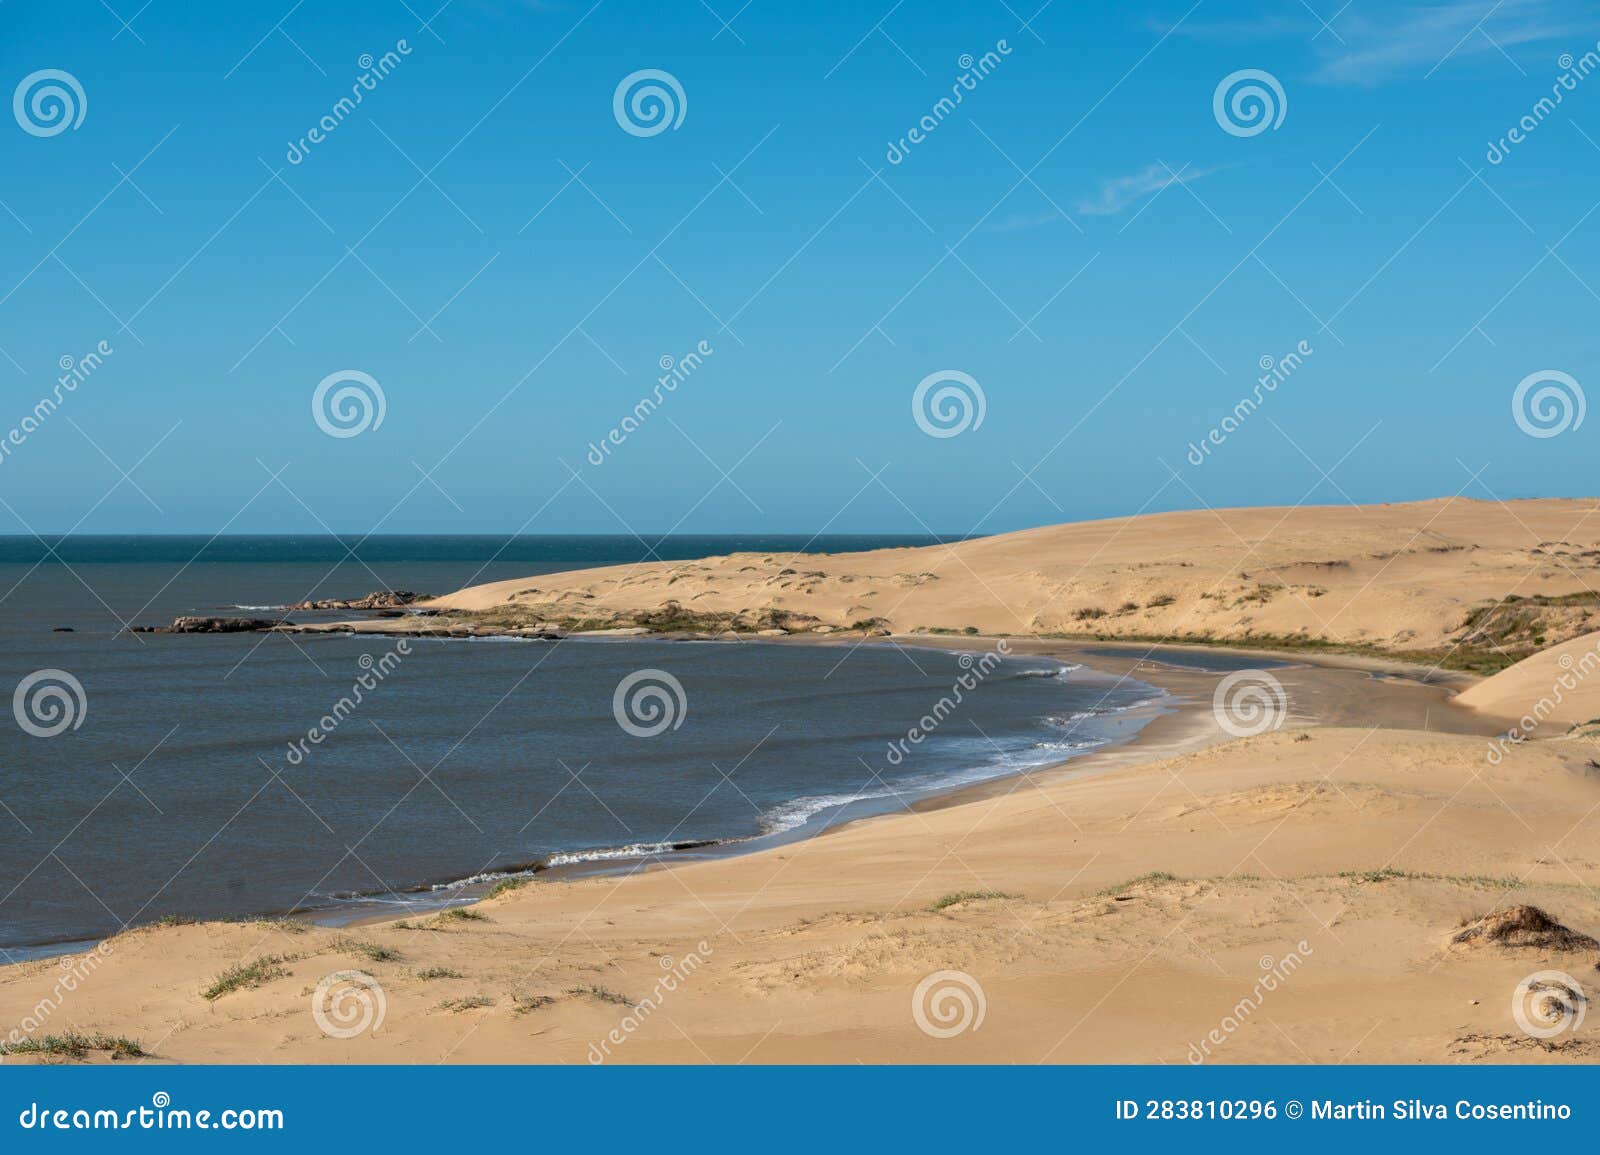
388	613
63	630
212	626
379	600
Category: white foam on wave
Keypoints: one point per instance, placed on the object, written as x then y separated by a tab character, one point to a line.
609	853
1059	673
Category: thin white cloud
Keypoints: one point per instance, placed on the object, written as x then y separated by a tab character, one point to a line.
1118	193
1369	44
1418	39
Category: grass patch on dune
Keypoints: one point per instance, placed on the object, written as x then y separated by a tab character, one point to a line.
507	885
246	975
369	950
470	1003
280	923
1386	874
428	974
1155	877
604	994
463	914
75	1046
956	897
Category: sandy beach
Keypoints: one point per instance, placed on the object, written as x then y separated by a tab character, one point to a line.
1190	896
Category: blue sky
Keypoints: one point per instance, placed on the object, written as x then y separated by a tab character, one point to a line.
1081	237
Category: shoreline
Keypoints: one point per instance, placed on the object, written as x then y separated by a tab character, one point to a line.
1059	890
432	896
1180	725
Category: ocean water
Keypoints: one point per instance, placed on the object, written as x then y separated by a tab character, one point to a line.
232	775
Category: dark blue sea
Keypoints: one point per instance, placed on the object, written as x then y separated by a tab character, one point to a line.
145	776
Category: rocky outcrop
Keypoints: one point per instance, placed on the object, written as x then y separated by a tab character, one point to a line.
378	600
195	625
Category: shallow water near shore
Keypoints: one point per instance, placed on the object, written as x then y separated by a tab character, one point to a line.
228	776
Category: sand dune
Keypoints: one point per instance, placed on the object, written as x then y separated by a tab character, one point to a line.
1472	583
1557	688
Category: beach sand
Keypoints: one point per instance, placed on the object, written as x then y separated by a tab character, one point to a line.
1284	897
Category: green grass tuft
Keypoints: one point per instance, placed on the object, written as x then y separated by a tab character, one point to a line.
371	950
955	897
507	885
470	1003
75	1046
1154	877
246	975
430	973
604	994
